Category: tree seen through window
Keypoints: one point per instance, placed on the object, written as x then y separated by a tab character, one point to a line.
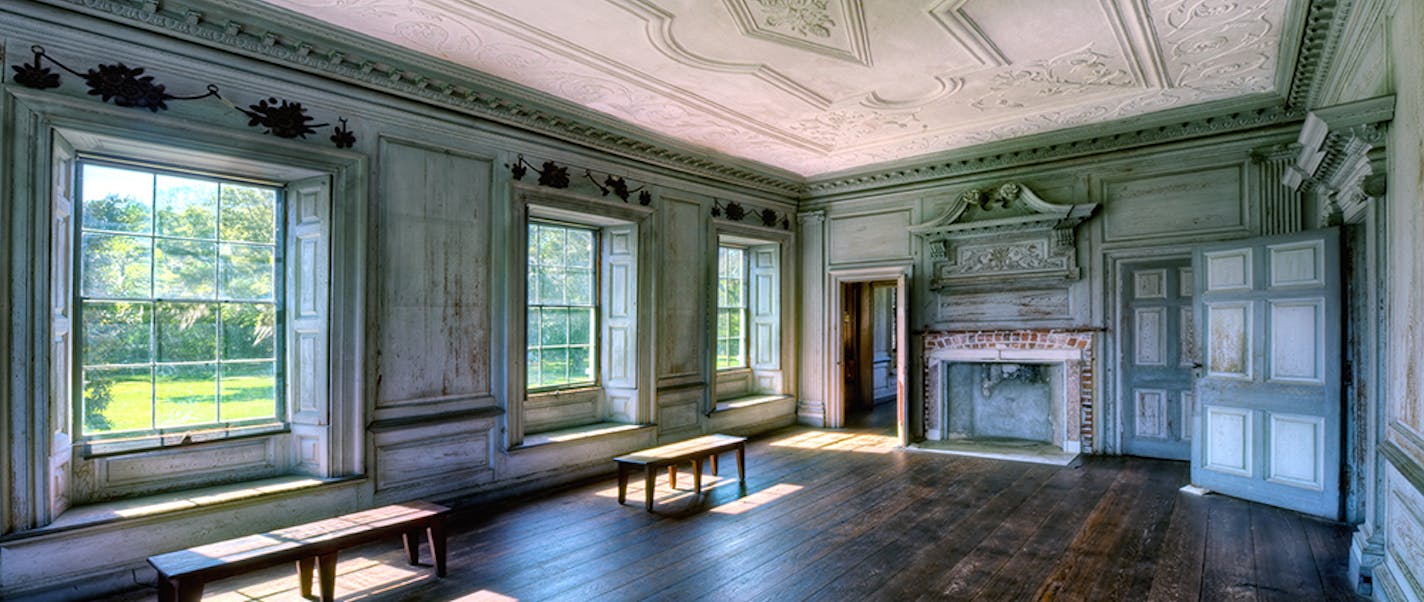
562	294
731	307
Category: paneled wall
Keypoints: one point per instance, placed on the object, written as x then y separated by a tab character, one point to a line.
427	414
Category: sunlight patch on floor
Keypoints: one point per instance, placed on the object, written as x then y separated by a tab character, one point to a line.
684	483
357	578
485	596
758	499
840	441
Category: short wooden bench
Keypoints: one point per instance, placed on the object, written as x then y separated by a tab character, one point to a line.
182	574
692	451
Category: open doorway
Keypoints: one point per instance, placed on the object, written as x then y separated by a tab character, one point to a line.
869	347
844	332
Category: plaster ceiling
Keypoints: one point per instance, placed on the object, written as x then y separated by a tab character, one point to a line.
817	86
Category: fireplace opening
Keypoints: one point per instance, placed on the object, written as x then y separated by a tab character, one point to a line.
1002	400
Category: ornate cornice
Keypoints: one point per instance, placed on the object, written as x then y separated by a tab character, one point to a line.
276	36
1042	148
1324	26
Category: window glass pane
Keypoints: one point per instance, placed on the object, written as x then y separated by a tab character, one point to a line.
580	249
248	390
117	399
554	326
532	369
551	286
117	333
249	331
734	293
554	365
734	263
117	199
551	247
186	207
187	394
580	366
116	266
184	269
579	284
249	214
187	332
580	326
247	272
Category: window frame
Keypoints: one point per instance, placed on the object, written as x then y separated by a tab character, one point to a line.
595	342
160	437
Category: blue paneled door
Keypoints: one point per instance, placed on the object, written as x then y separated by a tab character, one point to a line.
1159	352
1268	394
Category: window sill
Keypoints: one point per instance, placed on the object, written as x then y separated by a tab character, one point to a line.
577	434
168	504
747	401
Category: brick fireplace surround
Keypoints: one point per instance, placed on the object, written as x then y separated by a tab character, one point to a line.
1024	340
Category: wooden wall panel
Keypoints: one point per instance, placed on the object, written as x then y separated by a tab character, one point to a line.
870	237
432	312
1197	202
682	277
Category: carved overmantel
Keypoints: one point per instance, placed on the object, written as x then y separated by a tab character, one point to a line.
1335	160
1003	236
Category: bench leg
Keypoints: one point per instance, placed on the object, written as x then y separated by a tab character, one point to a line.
714	465
187	590
651	476
622	483
411	539
167	592
304	575
436	533
326	573
742	464
672	476
697	475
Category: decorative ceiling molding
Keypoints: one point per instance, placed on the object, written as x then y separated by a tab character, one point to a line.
813	25
274	35
951	16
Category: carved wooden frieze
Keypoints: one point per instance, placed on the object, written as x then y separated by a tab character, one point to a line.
1003	236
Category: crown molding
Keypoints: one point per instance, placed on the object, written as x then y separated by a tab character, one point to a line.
1325	23
275	35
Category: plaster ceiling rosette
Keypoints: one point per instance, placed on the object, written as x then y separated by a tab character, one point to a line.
821	86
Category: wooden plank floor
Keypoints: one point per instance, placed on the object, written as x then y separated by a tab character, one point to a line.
841	515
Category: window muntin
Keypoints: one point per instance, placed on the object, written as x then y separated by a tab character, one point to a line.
731	308
177	294
562	306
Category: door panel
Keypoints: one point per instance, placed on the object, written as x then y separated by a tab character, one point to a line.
1269	393
1157	361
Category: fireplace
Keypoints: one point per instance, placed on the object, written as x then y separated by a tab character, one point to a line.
1028	385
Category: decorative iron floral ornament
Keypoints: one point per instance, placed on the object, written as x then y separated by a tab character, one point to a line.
734	211
552	174
619	187
129	87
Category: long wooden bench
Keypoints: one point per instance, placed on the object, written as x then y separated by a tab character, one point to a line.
692	451
182	574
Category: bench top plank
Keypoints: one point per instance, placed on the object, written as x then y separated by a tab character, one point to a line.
295	542
674	452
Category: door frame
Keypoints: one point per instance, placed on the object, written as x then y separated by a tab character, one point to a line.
1108	431
835	402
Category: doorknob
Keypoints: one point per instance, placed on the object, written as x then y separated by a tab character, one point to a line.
1196	370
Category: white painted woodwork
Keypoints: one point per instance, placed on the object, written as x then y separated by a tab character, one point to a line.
307	318
815	87
1001	308
1150	328
1229	339
1297	264
1229	440
1297	450
404	469
1149	208
1188	349
1228	270
1151	414
434	251
869	237
764	276
619	321
1186	283
682	275
1149	284
1297	352
61	333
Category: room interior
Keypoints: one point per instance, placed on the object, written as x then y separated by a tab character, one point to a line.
269	262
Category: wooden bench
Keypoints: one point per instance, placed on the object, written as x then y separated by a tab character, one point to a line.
182	574
682	452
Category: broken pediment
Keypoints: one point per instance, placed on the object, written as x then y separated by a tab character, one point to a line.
1003	237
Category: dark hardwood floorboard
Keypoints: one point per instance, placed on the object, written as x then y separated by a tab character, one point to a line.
841	515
